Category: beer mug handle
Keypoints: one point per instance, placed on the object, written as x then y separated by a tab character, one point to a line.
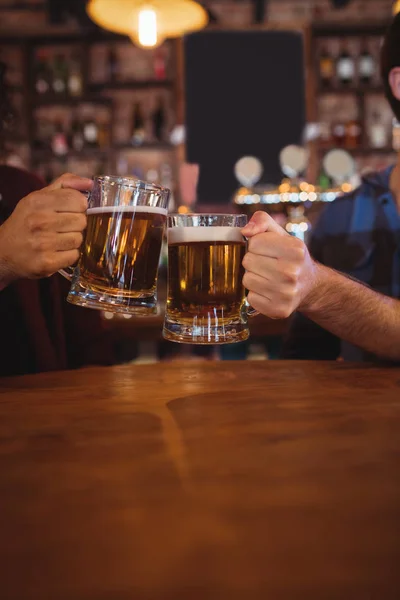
67	273
251	312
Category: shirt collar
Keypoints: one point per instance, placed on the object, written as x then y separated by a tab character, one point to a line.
379	182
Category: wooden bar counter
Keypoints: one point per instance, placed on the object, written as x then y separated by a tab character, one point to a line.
228	481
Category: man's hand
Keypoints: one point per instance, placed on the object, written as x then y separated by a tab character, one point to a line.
45	231
280	274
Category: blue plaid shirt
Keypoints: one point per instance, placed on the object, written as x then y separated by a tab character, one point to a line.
358	234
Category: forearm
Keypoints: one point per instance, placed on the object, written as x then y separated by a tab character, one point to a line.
355	313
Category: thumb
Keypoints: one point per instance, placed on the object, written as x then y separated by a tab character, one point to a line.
261	222
68	180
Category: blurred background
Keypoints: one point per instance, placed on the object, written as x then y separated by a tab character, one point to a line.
284	82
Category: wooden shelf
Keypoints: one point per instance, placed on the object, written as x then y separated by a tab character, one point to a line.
147	146
69	101
131	85
15	88
351	91
338	30
44	155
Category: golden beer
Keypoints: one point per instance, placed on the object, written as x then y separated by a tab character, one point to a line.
122	249
205	289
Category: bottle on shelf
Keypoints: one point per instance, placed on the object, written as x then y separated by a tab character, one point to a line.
77	140
339	133
75	80
104	135
60	75
59	144
112	64
353	134
90	132
44	132
138	126
159	64
345	66
326	68
42	73
366	65
378	134
158	120
323	181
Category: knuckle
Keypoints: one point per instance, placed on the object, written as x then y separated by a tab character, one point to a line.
253	300
290	276
73	256
30	222
46	264
64	176
78	239
82	222
78	200
40	245
246	262
246	281
298	249
31	201
282	311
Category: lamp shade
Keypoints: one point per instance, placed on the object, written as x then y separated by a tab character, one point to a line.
174	17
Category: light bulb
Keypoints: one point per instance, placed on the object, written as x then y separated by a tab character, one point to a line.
396	7
147	28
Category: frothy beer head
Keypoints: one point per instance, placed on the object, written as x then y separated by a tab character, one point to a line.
190	235
127	209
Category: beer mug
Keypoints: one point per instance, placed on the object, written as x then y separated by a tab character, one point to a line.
118	266
206	301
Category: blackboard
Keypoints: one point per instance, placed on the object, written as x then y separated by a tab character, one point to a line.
245	95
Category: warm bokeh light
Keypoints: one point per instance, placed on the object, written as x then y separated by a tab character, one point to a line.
147	28
148	22
396	7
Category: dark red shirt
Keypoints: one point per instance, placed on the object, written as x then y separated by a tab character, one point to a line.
40	331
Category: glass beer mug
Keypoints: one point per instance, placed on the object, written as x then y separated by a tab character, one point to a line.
206	299
118	266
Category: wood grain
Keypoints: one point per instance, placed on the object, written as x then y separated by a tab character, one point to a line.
219	481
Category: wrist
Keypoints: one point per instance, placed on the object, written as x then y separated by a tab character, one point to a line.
316	296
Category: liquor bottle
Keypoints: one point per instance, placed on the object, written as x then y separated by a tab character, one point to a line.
77	139
138	126
366	65
60	75
353	134
159	64
158	120
112	61
326	68
104	135
75	82
43	75
323	181
59	144
378	134
339	133
345	67
90	132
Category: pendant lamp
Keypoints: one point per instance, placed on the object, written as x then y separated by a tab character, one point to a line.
148	22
